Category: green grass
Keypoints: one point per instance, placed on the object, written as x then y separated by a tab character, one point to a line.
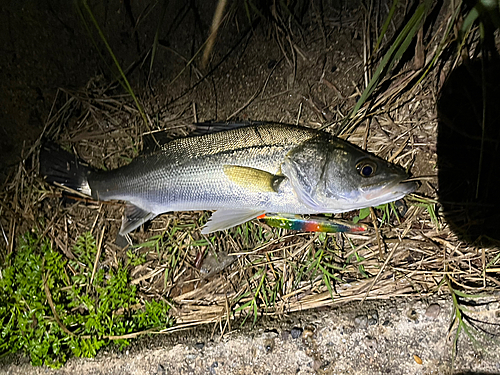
463	322
52	308
122	76
388	211
267	276
429	204
394	53
321	263
258	295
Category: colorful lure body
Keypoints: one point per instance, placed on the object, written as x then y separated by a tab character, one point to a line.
312	223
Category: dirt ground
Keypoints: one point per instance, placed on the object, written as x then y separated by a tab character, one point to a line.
255	73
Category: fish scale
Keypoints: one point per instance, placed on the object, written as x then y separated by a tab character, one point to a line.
184	178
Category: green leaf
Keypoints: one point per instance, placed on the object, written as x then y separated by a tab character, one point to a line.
363	214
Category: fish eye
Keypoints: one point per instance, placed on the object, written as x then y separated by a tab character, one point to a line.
366	168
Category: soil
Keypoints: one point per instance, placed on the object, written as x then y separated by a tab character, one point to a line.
41	52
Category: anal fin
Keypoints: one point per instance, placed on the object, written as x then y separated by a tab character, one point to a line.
134	217
224	219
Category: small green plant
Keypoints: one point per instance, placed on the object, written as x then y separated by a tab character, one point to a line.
23	304
463	322
359	259
429	205
51	308
167	249
253	303
386	209
265	287
363	214
320	262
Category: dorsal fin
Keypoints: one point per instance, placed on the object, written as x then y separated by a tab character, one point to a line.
202	128
156	140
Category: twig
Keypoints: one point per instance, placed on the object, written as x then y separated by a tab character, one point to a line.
298	114
377	232
380	272
53	308
216	22
98	255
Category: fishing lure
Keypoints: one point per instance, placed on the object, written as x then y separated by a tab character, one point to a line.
312	223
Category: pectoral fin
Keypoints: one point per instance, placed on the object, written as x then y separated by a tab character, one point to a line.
134	217
224	219
253	179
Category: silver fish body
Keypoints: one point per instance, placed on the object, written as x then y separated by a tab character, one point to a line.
245	172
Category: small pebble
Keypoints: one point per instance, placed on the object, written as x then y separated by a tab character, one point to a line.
296	332
285	335
215	263
121	241
361	321
324	365
160	370
269	345
308	333
199	345
316	365
433	311
412	315
370	342
372	317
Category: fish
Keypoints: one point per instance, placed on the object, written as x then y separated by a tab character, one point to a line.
239	171
312	223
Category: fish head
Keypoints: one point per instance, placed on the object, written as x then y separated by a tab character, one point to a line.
332	175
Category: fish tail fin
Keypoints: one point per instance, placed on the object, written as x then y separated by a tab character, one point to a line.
61	167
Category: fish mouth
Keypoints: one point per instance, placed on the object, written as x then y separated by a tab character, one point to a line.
391	191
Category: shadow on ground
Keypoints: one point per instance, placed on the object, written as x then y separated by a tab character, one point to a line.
468	151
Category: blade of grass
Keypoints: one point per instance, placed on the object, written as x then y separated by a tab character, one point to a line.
396	51
386	24
157	33
443	43
89	32
216	22
117	64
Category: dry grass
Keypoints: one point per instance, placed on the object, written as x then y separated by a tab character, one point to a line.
275	271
